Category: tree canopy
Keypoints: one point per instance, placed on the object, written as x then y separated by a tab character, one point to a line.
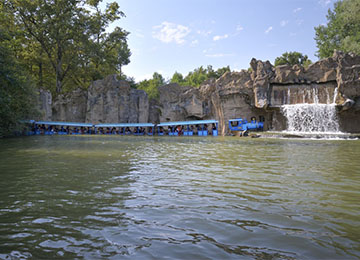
17	97
198	76
151	85
292	58
65	41
342	31
194	78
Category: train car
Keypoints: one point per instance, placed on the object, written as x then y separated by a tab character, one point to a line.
60	128
125	128
240	124
188	128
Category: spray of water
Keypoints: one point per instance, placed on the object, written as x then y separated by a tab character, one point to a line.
312	118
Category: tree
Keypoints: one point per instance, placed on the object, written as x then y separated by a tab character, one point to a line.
151	86
200	75
17	97
71	38
292	58
342	31
177	78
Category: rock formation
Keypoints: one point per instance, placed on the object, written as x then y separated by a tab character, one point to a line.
245	94
71	106
112	100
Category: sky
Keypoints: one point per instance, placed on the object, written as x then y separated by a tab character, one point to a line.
168	36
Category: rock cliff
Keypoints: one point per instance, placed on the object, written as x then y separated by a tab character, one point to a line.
245	94
112	100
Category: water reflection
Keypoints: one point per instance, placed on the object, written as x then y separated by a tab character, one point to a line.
140	197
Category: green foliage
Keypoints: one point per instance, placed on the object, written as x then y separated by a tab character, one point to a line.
17	97
342	31
198	76
178	78
151	86
292	58
64	43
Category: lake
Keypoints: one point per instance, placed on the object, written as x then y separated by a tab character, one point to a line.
132	197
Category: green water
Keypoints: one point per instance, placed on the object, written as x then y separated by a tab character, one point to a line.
117	197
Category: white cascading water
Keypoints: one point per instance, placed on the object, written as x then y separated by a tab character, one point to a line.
312	118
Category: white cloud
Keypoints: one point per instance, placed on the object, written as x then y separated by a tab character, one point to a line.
299	22
239	28
297	10
219	55
204	33
269	30
170	32
194	42
220	37
208	50
284	23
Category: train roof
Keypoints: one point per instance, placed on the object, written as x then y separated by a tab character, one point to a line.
195	122
126	125
63	123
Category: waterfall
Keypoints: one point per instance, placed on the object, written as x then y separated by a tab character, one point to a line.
312	118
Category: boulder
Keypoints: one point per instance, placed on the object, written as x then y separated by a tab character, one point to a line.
180	103
321	71
286	74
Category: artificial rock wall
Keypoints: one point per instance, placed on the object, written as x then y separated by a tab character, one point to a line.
244	94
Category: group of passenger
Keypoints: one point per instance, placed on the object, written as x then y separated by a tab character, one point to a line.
42	129
178	130
124	130
181	129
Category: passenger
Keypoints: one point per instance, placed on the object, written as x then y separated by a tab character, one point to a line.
113	131
161	130
150	130
179	130
128	131
42	129
205	128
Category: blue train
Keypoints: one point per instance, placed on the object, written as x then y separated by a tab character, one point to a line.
240	124
178	128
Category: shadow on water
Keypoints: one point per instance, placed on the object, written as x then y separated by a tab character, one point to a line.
181	198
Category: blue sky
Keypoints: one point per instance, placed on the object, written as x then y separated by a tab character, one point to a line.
181	35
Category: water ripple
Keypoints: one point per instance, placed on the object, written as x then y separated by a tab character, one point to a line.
193	198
